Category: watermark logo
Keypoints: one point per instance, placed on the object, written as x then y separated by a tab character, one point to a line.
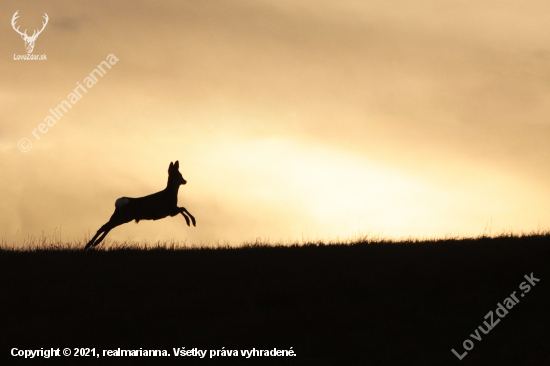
29	40
24	145
501	311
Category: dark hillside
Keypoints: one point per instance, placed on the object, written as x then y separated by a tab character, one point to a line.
363	304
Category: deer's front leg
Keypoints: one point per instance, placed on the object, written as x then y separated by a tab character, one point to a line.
186	213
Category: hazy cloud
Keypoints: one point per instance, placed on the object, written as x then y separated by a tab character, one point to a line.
288	118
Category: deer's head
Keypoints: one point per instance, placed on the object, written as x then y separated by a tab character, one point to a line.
174	175
29	41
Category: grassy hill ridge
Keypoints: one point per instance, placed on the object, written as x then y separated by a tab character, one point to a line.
366	303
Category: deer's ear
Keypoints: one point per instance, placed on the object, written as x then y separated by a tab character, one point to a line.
177	165
171	165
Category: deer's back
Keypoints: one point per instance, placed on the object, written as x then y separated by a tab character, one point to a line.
152	207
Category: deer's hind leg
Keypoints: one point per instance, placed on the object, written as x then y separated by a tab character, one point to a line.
104	230
99	232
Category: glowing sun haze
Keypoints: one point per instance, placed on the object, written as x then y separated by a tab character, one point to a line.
290	119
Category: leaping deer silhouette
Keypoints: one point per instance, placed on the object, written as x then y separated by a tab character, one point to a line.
153	207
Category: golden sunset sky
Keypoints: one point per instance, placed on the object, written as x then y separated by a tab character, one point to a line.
290	119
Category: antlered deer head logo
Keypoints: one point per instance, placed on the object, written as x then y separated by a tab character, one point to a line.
29	41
